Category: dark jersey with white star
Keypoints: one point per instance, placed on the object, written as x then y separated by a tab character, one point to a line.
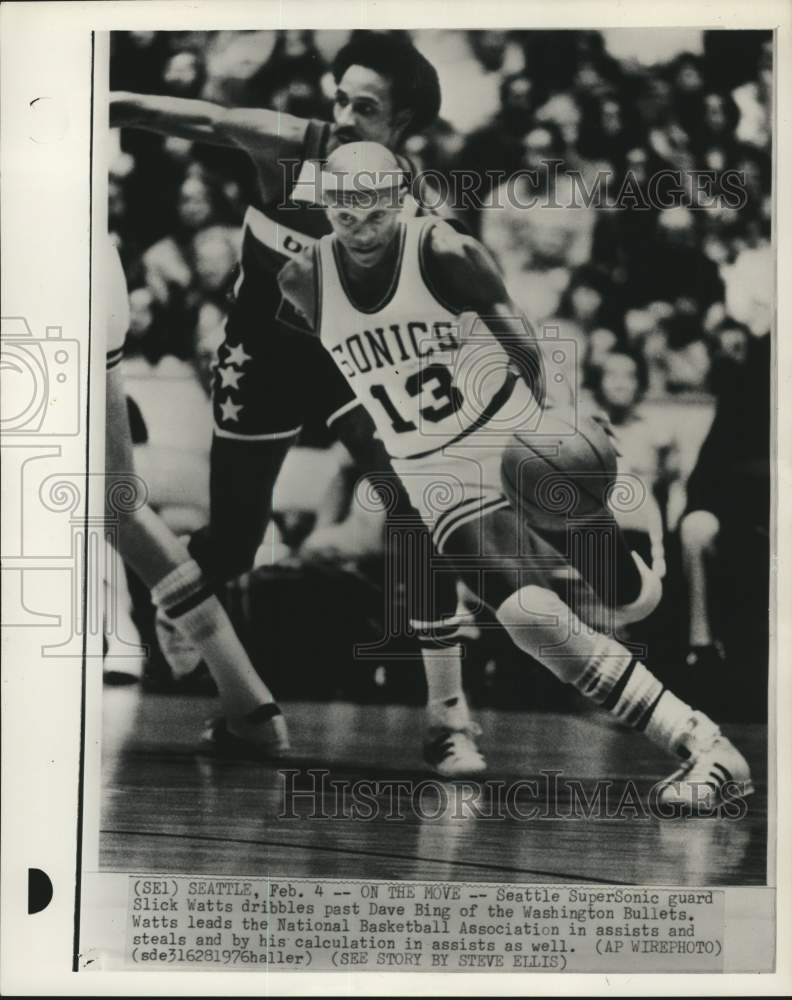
275	232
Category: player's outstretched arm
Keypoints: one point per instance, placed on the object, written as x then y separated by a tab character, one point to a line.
263	133
464	276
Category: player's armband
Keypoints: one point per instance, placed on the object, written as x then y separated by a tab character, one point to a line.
114	357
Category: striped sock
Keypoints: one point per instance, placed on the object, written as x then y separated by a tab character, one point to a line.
600	668
189	602
630	692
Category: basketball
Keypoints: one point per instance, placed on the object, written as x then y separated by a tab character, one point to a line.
559	471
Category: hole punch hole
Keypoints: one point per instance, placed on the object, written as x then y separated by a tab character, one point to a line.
39	890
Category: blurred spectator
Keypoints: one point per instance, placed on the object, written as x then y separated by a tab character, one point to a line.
750	287
564	111
209	335
755	101
136	60
732	342
156	331
728	508
592	302
471	66
687	353
559	60
357	535
665	134
185	74
141	316
436	150
687	80
167	262
652	49
673	267
538	228
494	151
754	168
645	451
311	496
609	129
626	223
291	79
233	58
116	207
214	253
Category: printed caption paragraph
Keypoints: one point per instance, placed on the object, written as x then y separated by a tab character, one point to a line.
420	926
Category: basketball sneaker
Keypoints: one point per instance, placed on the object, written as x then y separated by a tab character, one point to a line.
261	735
450	742
714	770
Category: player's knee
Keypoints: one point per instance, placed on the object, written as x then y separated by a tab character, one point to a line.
534	613
539	623
698	531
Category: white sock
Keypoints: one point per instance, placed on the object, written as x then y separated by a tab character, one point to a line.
188	601
443	669
600	668
675	726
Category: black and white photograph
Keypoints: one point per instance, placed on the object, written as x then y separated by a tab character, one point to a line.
428	535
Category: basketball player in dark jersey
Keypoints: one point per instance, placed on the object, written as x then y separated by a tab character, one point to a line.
270	379
395	302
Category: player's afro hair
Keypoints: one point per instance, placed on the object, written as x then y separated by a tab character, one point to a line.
414	81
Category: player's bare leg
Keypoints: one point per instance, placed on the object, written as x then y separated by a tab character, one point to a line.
121	667
253	721
698	533
451	735
540	623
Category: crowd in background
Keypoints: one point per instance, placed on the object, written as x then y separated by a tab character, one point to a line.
651	279
664	303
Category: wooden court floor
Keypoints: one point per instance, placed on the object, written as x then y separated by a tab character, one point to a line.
168	808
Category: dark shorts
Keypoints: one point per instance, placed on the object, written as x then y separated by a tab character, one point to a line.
272	379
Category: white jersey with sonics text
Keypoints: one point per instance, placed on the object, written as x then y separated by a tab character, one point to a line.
425	384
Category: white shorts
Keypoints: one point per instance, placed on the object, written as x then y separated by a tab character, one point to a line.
462	481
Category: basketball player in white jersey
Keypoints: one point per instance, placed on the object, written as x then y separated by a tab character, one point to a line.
390	301
253	723
269	382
